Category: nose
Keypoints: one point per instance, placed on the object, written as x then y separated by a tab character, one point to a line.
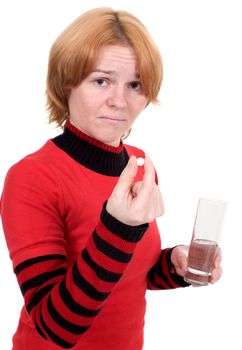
117	98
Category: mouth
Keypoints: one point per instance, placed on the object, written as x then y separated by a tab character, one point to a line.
112	119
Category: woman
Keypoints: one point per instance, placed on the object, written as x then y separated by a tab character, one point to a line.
79	214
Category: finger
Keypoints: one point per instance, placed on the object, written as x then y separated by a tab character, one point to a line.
216	275
179	258
148	180
127	176
218	258
149	171
136	188
160	206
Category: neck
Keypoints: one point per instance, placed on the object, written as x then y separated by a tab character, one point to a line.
92	140
74	124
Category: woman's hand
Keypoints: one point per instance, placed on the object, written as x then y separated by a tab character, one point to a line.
136	203
179	259
217	270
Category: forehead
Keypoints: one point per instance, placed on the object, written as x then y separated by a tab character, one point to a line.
116	56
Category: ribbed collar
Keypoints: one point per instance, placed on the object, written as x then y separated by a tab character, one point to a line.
91	153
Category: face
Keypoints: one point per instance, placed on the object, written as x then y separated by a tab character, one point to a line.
107	102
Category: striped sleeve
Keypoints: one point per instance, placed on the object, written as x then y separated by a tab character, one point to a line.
162	275
63	302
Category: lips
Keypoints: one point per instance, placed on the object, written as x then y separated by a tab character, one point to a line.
112	119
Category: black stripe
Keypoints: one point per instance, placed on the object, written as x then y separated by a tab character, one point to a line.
38	296
161	275
102	273
126	232
36	260
54	337
73	305
155	284
157	270
109	250
61	321
40	332
40	279
86	287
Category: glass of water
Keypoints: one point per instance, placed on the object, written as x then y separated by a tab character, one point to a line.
205	239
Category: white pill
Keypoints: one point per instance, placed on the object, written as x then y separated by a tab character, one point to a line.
140	161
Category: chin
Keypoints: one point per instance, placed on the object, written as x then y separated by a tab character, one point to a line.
112	143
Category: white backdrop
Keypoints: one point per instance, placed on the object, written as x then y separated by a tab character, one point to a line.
193	137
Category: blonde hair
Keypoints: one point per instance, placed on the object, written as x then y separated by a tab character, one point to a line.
74	54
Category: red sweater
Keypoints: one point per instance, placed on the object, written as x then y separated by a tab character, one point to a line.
83	274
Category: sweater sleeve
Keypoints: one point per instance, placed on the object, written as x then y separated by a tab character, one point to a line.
61	300
163	275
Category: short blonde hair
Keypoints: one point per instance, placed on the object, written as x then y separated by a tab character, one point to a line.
74	54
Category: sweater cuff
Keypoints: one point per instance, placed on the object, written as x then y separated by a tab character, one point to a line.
126	232
179	280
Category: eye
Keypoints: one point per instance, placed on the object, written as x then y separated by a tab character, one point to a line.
135	85
101	82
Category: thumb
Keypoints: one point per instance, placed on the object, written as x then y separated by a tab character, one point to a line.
179	258
127	176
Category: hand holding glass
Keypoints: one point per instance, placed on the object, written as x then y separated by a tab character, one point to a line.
205	240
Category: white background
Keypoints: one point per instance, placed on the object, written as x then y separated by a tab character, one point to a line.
193	137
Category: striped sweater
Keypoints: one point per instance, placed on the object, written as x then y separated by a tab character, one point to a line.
83	274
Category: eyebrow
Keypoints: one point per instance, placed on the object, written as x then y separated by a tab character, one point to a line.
110	72
102	71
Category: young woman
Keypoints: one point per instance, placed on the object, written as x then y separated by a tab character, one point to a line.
79	214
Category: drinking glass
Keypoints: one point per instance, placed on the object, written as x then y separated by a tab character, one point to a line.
205	239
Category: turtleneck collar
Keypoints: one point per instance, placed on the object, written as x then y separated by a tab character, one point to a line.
91	153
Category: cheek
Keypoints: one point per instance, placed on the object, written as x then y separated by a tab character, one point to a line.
84	106
80	101
91	102
139	105
74	104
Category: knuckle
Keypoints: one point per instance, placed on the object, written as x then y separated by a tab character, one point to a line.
140	216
